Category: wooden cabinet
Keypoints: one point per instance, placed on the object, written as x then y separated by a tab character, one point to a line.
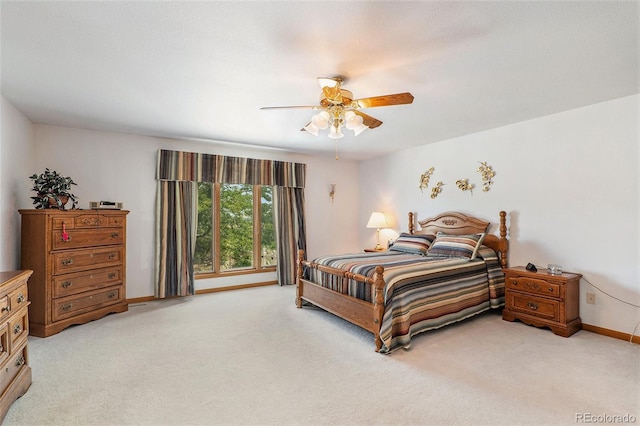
15	373
78	258
543	300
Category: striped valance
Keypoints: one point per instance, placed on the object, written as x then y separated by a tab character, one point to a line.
197	167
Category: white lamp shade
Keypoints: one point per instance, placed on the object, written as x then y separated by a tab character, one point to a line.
359	129
354	122
335	132
312	128
321	120
377	220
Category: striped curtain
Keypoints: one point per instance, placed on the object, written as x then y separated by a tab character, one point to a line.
290	230
175	234
197	167
176	223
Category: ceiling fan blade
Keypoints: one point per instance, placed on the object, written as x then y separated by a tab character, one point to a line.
368	120
385	100
294	106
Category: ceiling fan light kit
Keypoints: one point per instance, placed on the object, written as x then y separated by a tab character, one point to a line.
338	109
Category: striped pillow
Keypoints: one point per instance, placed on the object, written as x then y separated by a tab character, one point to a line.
465	246
416	243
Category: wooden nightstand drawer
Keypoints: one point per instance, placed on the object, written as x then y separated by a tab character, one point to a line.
533	286
536	306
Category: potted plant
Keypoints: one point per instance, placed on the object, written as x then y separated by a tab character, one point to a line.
52	190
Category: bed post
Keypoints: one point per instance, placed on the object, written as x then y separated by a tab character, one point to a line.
378	305
411	222
299	278
504	243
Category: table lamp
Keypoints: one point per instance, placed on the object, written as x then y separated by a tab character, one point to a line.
377	220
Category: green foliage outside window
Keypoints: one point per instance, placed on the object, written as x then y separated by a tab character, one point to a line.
236	228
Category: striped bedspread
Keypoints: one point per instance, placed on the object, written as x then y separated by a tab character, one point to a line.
421	293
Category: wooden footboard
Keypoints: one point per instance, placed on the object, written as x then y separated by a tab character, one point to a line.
359	312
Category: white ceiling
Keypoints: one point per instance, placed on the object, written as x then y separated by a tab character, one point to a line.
202	70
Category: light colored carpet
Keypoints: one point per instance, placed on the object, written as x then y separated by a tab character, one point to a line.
250	357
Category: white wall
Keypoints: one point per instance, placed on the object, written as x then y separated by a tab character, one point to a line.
16	152
569	183
121	167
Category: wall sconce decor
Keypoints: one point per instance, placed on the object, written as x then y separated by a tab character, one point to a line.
464	185
436	190
377	220
424	179
332	191
487	174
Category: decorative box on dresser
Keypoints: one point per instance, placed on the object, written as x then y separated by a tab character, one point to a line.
78	258
543	300
15	373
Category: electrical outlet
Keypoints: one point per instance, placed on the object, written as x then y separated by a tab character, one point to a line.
591	298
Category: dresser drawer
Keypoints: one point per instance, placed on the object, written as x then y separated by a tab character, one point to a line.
70	306
80	260
4	343
67	284
18	328
18	298
10	369
532	285
5	307
78	238
532	305
87	220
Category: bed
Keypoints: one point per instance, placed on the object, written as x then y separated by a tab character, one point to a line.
448	270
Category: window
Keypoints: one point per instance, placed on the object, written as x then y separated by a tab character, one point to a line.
236	230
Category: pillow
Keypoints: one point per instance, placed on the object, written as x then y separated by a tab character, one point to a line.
446	245
413	243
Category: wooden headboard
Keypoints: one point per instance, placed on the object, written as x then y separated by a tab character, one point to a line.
459	223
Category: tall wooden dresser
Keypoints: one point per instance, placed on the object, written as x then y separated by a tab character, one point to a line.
15	373
78	259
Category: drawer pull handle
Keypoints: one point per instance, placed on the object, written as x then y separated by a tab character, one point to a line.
111	294
532	306
112	256
66	284
112	275
17	329
19	361
114	235
1	348
67	261
20	298
67	306
6	308
551	289
514	282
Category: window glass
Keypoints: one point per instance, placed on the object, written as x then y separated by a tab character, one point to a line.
203	257
236	226
268	252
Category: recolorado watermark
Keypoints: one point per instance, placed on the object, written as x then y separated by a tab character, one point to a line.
605	418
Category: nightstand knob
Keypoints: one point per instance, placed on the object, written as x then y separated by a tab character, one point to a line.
532	306
551	289
514	282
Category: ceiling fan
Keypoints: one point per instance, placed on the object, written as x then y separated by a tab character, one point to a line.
338	108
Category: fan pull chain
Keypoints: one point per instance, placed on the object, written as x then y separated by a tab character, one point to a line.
337	150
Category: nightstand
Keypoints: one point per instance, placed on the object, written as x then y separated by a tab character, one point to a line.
543	300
